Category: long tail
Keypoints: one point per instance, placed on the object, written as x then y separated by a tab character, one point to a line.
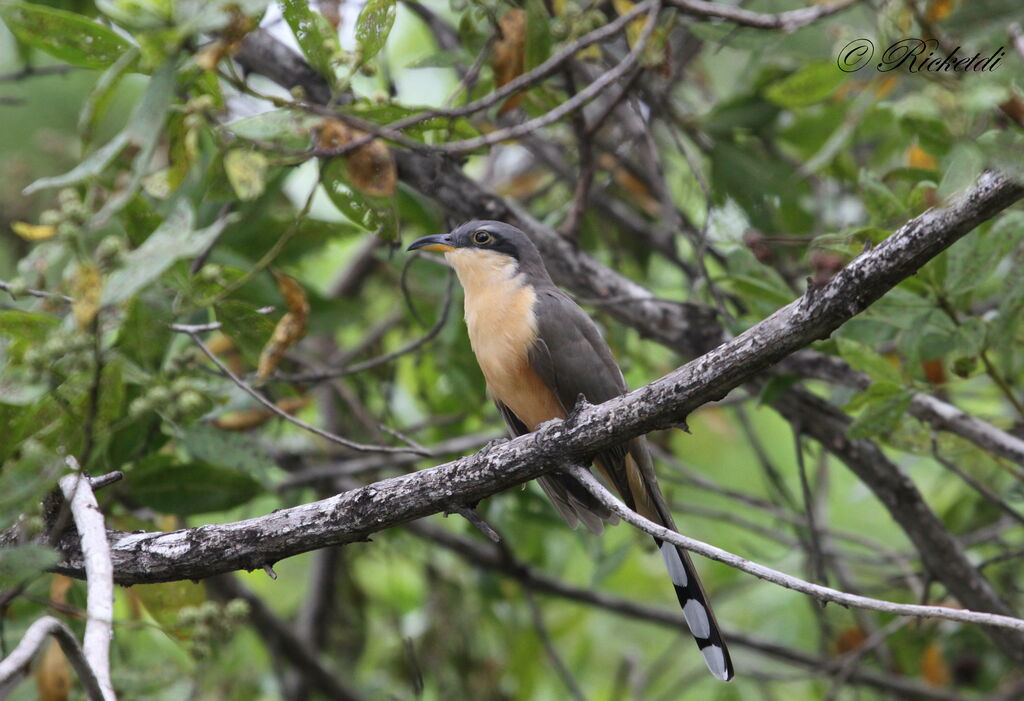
650	503
697	610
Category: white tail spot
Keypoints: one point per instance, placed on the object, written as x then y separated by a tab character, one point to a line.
674	565
697	618
715	660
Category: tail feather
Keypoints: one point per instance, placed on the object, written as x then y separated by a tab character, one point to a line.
696	610
700	618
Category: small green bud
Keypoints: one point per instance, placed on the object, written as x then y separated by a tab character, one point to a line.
51	217
211	273
180	384
964	366
139	406
68	196
17	287
110	249
209	610
56	347
34	357
160	396
237	610
190	401
188	616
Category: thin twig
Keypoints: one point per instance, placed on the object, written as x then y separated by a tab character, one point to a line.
786	21
41	294
32	641
385	358
277	411
584	477
471	515
549	647
567	107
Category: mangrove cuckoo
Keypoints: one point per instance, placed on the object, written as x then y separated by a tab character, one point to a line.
538	352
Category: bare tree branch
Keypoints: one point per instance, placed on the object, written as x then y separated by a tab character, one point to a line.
278	411
12	666
786	21
99	575
942	415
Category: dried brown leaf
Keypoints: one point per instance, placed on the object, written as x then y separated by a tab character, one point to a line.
370	167
289	329
508	59
253	418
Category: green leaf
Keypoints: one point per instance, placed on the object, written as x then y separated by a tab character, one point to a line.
173	239
23	562
144	129
960	169
144	336
31	327
881	416
809	85
974	258
18	388
66	36
92	166
862	358
249	331
775	387
881	203
316	37
285	126
372	213
247	173
538	34
237	451
373	26
171	487
101	94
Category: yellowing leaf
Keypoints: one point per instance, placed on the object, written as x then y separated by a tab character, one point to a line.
636	27
917	157
289	329
53	677
247	172
59	587
939	10
933	666
509	55
87	289
33	232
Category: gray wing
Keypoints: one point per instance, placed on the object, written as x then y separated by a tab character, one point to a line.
574	503
572	359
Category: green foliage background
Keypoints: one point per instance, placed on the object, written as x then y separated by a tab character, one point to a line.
141	160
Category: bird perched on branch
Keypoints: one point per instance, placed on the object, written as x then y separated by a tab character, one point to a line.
539	352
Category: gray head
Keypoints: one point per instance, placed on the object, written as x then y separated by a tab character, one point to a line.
489	237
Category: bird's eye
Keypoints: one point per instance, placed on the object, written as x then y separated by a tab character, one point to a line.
482	238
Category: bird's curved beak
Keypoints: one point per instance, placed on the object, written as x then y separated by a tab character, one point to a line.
435	242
